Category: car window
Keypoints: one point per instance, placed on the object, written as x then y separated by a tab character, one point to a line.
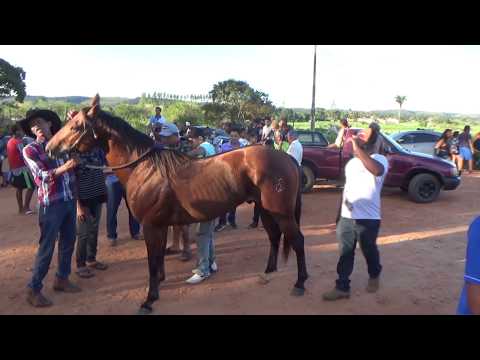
305	138
319	139
425	138
405	139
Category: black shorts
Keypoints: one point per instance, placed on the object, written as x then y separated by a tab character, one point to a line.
22	181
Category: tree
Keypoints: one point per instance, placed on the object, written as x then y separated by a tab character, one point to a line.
400	100
12	81
237	101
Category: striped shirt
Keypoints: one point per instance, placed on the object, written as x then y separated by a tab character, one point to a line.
91	182
50	189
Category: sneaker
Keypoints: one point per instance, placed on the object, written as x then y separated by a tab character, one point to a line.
220	227
214	267
373	285
253	225
113	242
196	279
36	299
234	226
138	237
336	294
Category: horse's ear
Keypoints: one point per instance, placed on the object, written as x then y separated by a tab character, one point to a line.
96	100
92	113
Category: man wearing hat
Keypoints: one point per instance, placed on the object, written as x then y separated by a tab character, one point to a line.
169	136
57	212
360	213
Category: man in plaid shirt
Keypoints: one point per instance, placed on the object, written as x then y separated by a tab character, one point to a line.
57	197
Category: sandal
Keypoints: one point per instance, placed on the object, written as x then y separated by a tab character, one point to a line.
85	272
97	265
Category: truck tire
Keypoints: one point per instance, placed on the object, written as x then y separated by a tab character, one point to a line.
308	180
424	188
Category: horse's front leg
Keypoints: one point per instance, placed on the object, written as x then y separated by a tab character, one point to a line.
155	240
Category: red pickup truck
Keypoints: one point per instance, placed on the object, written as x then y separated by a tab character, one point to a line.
422	176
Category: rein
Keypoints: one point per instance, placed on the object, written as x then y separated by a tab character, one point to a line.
127	165
118	167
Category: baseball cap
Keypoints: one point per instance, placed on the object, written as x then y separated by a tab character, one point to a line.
168	129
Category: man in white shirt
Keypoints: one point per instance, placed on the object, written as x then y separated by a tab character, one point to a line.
360	213
156	121
267	131
295	149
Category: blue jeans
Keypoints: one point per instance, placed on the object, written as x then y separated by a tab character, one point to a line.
205	247
349	232
87	234
231	216
115	193
57	218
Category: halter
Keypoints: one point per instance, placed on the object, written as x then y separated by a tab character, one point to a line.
87	129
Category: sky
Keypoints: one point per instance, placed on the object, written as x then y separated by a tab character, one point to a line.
357	77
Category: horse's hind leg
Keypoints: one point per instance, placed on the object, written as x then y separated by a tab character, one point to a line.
294	237
155	239
274	234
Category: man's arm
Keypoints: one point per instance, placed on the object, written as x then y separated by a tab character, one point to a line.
372	165
40	170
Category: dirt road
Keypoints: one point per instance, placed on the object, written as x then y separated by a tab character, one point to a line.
422	251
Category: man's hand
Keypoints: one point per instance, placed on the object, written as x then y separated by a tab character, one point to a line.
82	213
72	163
69	165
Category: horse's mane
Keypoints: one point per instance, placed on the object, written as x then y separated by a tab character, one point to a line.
130	137
167	161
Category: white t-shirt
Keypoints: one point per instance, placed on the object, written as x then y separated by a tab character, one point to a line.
296	150
361	195
266	131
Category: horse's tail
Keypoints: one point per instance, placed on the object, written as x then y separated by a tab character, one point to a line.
286	248
298	213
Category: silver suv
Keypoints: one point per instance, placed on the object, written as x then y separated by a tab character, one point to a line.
421	141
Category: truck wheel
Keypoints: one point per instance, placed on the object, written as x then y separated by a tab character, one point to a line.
308	180
424	188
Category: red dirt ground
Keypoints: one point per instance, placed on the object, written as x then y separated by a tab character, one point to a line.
422	251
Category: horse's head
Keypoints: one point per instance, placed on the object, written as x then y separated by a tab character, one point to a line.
80	133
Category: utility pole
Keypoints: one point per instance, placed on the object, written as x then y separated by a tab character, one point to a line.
312	116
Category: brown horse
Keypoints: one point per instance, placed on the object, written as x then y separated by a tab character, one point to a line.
165	187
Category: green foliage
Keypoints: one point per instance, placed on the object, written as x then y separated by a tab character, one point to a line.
12	81
400	100
236	101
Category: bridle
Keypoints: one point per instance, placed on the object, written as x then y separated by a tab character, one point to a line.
89	128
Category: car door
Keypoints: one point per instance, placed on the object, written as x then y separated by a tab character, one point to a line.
406	141
315	150
425	143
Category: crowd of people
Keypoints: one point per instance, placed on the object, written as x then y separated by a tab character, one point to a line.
71	196
459	148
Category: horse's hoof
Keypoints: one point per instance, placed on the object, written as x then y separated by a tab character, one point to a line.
144	311
264	278
297	291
